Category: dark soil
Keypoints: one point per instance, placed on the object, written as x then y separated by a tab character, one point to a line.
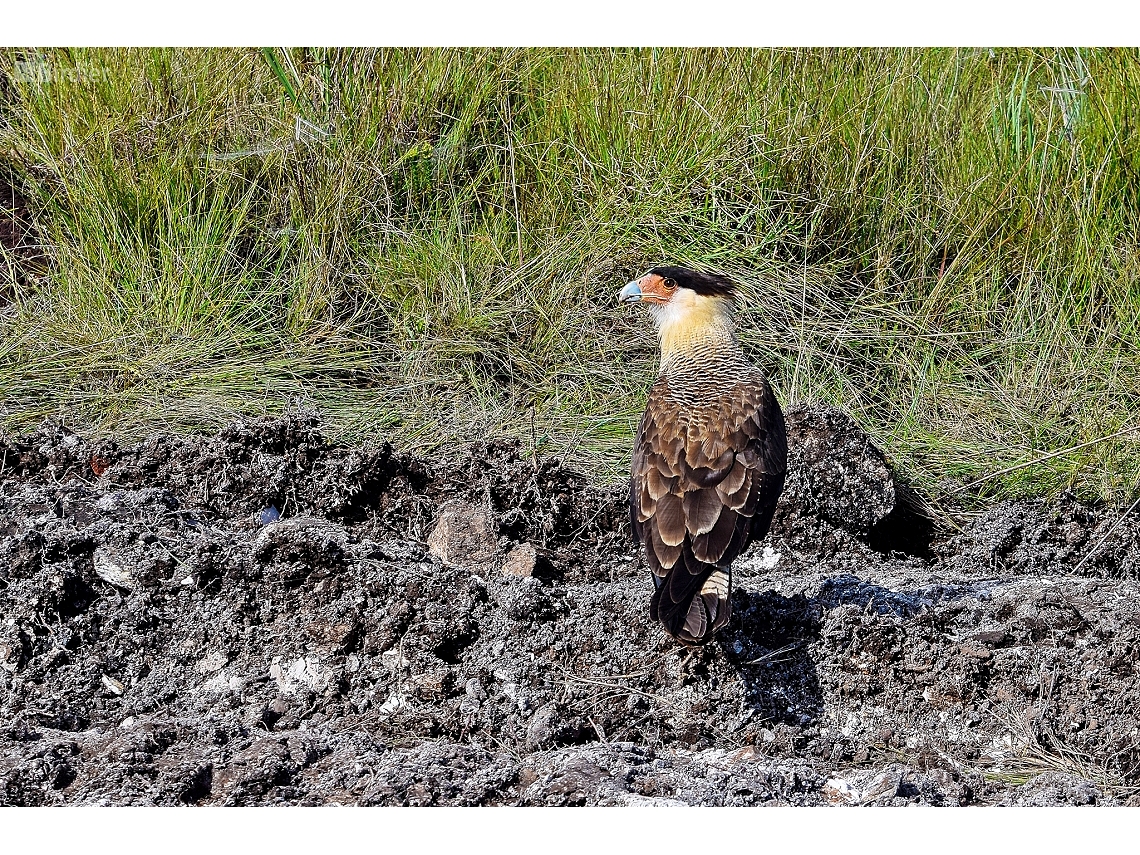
255	618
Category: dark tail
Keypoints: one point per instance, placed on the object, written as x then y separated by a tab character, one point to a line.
693	606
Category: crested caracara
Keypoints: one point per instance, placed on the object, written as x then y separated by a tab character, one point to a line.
710	453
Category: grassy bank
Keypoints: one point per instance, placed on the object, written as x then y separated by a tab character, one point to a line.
426	244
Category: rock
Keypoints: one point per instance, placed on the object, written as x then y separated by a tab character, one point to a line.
109	502
281	531
521	561
543	727
396	702
275	710
837	791
394	660
305	672
222	683
864	787
527	561
113	686
474	689
112	569
767	559
883	785
552	725
464	535
14	648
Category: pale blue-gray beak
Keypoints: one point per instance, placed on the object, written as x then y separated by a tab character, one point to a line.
631	293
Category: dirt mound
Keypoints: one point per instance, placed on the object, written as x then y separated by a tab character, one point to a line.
256	617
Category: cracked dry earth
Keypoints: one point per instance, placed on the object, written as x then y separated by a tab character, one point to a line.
262	617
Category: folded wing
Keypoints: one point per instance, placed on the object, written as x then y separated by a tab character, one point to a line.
704	483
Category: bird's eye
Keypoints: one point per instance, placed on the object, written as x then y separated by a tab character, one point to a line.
670	284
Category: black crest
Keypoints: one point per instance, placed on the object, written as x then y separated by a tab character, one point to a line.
708	284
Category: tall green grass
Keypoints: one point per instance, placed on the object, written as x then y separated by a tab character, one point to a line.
426	244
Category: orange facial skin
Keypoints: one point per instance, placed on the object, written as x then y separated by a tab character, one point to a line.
655	290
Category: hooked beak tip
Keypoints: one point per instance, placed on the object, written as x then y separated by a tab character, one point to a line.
631	293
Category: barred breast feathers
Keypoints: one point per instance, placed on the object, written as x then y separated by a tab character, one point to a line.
708	469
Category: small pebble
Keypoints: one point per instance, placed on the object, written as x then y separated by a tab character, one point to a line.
112	685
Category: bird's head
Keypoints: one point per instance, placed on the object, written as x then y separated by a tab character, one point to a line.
691	309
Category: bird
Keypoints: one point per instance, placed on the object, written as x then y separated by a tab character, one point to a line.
710	454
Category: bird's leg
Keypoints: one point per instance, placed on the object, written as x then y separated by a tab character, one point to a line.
692	658
687	658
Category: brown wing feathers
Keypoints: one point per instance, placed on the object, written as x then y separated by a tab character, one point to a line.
704	484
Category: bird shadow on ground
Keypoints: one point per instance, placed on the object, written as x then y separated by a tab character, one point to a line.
769	639
767	643
851	590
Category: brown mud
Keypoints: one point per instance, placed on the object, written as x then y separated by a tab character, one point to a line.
257	617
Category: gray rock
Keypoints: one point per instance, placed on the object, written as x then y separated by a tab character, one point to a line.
112	685
111	568
552	725
305	672
865	787
543	728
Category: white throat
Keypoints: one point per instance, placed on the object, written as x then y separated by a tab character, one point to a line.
691	323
